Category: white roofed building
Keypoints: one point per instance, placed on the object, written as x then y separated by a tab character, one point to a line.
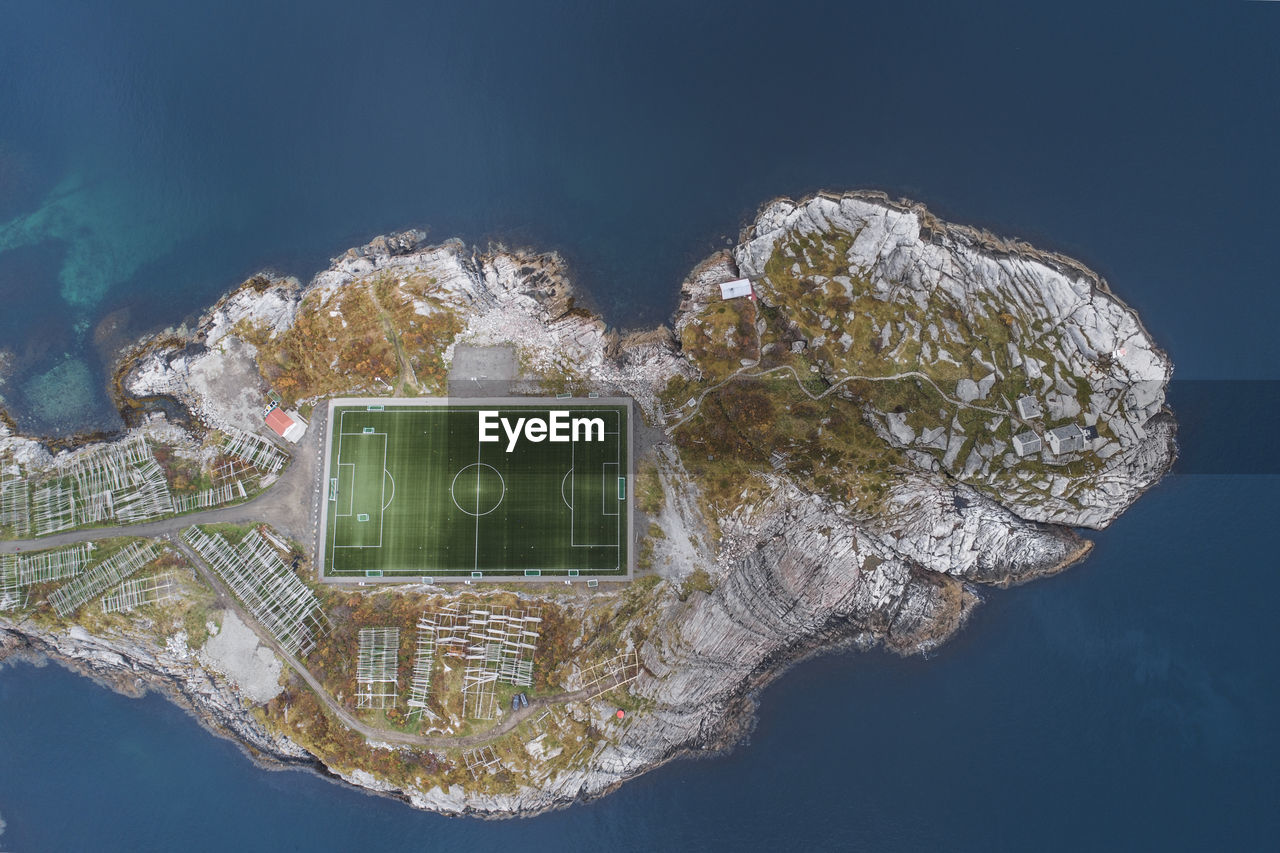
1026	443
736	288
1028	408
1066	439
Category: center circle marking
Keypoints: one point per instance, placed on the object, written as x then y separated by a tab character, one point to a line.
471	486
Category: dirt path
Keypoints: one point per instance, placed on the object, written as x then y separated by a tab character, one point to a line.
291	505
406	377
916	374
513	719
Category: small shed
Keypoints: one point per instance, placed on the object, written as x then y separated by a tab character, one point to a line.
284	426
1026	443
1029	408
1066	439
736	288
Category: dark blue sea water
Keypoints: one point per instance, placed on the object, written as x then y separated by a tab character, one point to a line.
153	154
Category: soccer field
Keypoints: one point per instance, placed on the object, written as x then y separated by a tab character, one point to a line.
412	490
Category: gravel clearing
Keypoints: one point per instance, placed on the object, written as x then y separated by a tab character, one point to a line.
251	666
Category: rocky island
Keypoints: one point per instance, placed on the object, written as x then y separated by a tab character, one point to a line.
898	412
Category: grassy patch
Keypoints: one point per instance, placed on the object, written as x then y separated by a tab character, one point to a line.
233	533
188	611
374	331
721	336
644	554
826	320
751	426
699	580
649	493
297	713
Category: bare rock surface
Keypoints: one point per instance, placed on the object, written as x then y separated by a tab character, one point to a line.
738	592
1074	345
248	664
133	664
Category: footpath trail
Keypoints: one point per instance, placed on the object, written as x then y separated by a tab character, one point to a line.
786	368
748	371
406	377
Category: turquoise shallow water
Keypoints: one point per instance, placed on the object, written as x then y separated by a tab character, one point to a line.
153	154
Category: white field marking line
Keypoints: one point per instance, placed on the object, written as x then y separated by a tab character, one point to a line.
567	474
476	563
612	488
333	528
617	461
382	494
477	465
522	409
609	488
607	411
573	495
351	501
332	531
617	546
334	538
617	464
393	489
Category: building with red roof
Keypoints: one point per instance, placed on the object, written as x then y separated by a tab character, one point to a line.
285	426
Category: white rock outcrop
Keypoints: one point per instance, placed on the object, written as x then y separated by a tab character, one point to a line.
1085	337
790	574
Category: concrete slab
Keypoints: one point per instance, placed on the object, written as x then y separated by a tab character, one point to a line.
483	371
236	652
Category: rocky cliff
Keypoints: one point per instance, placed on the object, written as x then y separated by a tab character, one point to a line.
986	320
865	496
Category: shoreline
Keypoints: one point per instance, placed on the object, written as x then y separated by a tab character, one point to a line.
898	591
131	409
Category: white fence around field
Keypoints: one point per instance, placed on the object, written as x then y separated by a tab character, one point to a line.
119	482
497	644
123	483
423	663
44	566
15	506
218	495
614	672
12	594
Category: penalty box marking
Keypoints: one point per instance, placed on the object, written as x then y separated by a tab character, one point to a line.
604	467
351	491
609	487
605	476
383	502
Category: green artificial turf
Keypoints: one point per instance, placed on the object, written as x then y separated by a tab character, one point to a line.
412	491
